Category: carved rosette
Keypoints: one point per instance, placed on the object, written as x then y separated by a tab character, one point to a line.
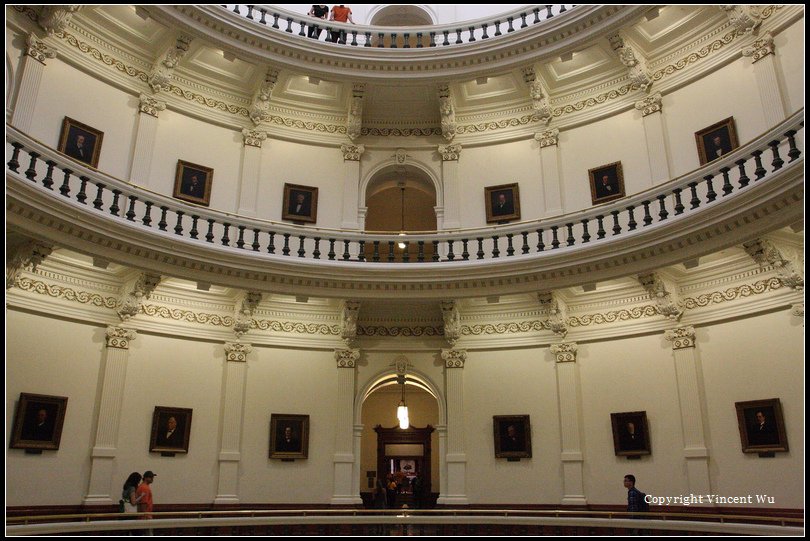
38	50
253	138
547	138
450	152
454	358
760	49
650	104
797	310
151	106
352	152
237	352
682	337
118	337
565	352
401	156
347	358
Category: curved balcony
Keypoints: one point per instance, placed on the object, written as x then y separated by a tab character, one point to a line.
757	188
382	52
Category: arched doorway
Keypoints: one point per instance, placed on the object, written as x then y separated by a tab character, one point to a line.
400	199
405	454
402	15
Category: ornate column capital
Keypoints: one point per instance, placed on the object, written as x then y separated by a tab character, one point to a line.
253	138
38	50
119	337
760	49
237	352
547	138
450	152
352	152
649	105
682	337
347	358
454	358
565	352
151	106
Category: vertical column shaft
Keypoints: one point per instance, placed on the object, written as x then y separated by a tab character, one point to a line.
570	423
235	375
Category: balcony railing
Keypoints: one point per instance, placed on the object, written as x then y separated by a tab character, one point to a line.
697	192
445	35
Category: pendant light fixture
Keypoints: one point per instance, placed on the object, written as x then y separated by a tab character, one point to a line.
402	409
401	185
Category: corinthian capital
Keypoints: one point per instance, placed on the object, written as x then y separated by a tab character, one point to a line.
119	337
682	337
565	352
237	352
347	358
151	106
649	105
38	50
352	152
454	358
450	152
253	138
547	138
760	49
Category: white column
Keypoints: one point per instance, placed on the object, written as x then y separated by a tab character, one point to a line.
141	170
451	187
33	65
550	167
251	170
102	456
233	401
655	139
345	478
351	185
455	491
770	94
441	430
691	407
570	423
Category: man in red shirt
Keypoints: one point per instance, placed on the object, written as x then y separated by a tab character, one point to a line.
144	496
340	14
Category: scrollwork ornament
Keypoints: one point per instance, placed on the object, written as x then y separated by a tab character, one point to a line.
118	337
454	358
352	152
565	352
682	337
347	358
450	152
237	352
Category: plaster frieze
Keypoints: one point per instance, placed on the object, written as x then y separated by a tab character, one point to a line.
650	104
347	358
253	138
761	48
60	292
38	50
454	358
396	331
189	316
150	105
118	337
135	292
237	352
565	352
681	338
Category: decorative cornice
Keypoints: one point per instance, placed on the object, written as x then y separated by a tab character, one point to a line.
449	152
60	292
352	152
135	293
731	294
253	138
189	316
636	312
237	352
150	105
649	105
547	138
760	49
347	358
565	352
682	337
119	337
399	331
38	50
454	358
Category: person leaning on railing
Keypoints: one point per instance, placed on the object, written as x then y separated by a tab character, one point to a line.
319	11
340	14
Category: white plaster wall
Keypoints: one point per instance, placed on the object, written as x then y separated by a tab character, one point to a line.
288	381
516	382
64	361
790	56
66	91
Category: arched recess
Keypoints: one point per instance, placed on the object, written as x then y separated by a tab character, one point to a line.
415	176
402	15
382	391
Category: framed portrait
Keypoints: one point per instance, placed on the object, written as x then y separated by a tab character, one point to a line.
171	430
631	433
300	203
607	182
38	422
289	436
502	203
192	183
762	427
717	140
512	435
80	142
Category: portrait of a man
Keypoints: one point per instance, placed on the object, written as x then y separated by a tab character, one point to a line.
503	203
716	140
300	203
512	436
289	436
762	427
80	142
193	183
607	183
38	422
631	435
171	429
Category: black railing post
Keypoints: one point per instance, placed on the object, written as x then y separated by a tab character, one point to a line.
147	216
286	249
131	210
64	189
777	162
209	235
13	163
31	172
98	202
240	242
47	182
178	227
631	224
760	170
744	180
194	233
727	187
